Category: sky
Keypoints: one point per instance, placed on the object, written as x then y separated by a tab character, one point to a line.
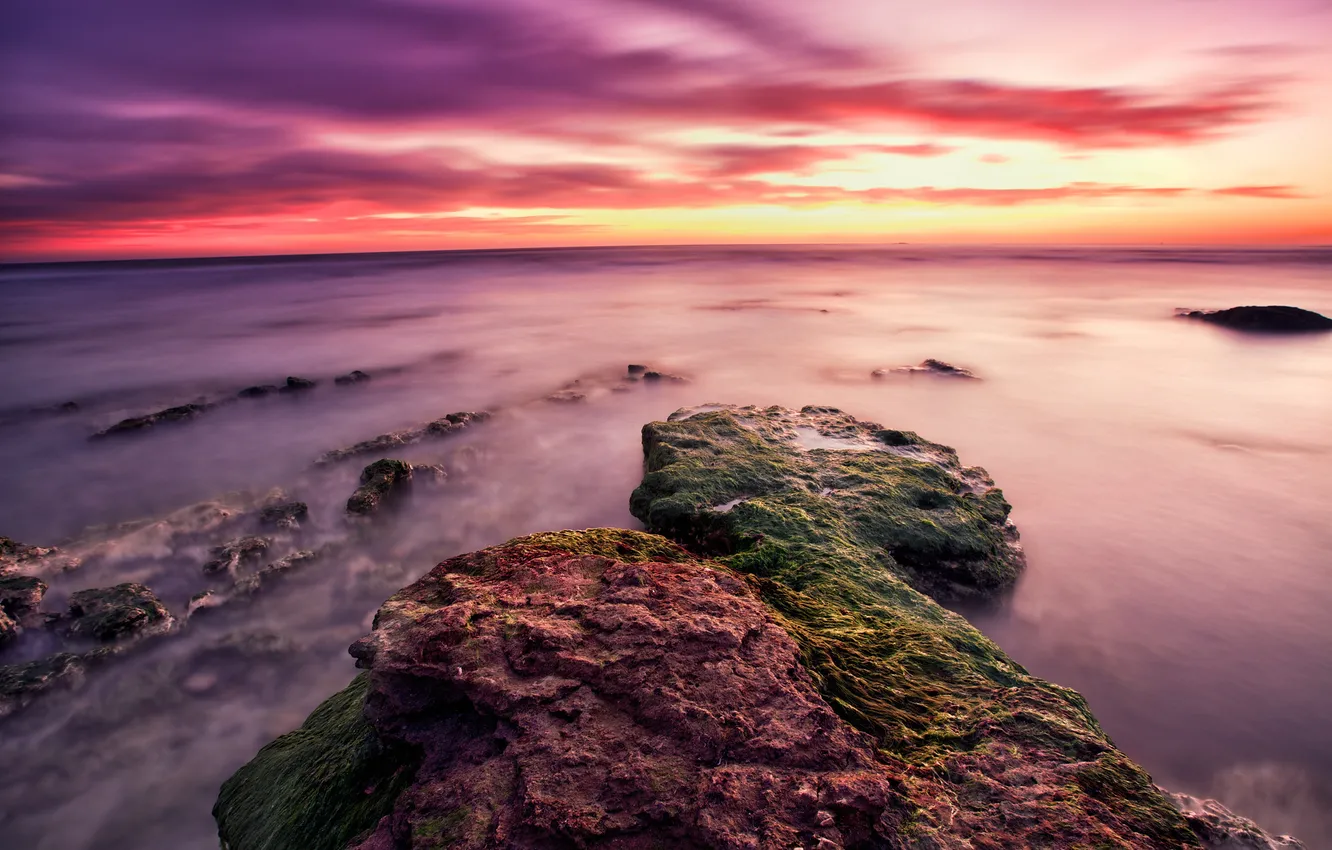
170	128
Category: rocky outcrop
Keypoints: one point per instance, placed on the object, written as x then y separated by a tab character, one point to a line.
641	694
721	478
779	676
136	424
928	366
447	426
381	482
113	613
1271	319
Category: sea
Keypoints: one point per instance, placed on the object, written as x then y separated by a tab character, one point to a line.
1172	480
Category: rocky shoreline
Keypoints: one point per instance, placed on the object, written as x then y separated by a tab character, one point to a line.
767	666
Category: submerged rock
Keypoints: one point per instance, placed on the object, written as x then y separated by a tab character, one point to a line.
1271	319
381	481
258	391
446	426
284	514
112	613
356	376
229	556
928	366
135	424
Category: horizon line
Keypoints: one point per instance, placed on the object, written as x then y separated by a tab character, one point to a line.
1064	246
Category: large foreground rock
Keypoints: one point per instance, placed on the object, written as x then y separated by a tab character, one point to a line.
781	681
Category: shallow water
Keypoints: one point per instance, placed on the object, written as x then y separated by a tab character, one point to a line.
1172	481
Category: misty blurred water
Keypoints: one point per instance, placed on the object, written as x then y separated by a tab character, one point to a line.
1172	481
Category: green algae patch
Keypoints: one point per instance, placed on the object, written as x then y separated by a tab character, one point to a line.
848	529
316	788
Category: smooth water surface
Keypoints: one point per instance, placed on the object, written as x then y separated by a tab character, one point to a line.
1172	481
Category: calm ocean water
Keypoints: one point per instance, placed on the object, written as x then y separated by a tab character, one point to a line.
1172	481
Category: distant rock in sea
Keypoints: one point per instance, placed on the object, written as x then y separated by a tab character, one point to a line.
135	424
928	366
1271	319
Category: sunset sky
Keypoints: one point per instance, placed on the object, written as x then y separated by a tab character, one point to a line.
150	128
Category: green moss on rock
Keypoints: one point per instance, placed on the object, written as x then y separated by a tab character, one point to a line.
316	788
847	526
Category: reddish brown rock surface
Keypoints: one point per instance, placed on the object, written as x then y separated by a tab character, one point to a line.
598	701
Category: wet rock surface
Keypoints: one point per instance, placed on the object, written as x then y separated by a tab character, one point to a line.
297	385
1269	319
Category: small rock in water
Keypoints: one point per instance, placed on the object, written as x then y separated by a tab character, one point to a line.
109	613
258	391
296	385
354	377
134	424
380	481
1270	319
566	397
229	555
928	366
636	370
284	514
